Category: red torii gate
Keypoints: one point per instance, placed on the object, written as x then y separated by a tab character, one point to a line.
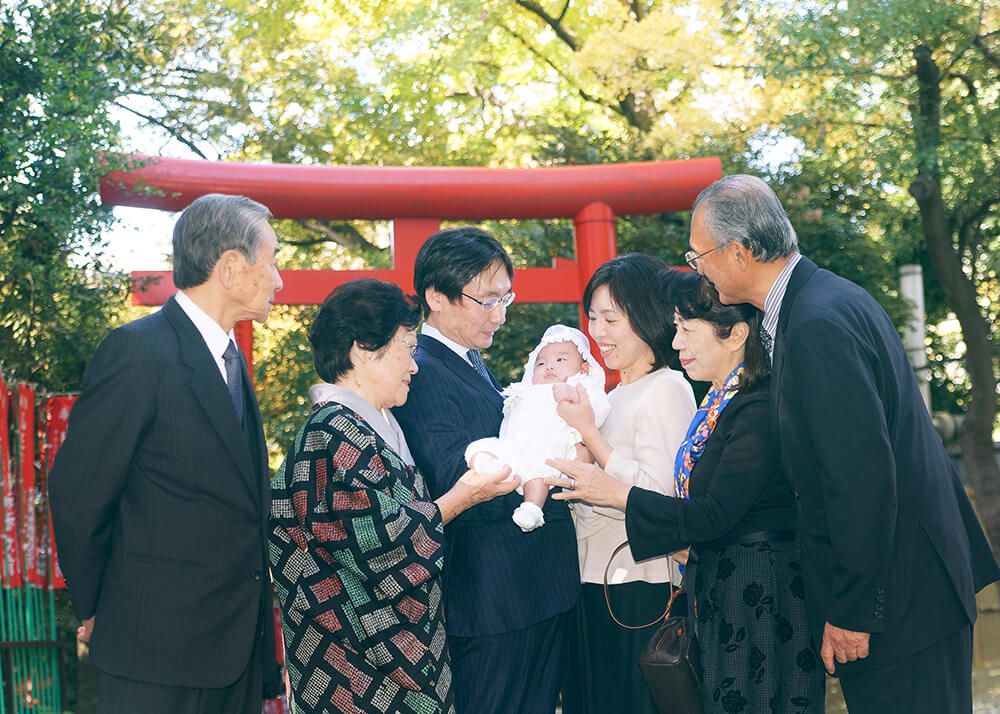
416	200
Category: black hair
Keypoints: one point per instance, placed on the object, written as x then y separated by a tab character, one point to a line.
695	298
366	311
633	282
453	257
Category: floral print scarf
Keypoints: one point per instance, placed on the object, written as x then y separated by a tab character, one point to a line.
702	426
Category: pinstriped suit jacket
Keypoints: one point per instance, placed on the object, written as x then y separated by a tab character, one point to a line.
160	506
496	579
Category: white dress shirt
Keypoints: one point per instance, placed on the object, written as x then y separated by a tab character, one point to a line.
216	339
436	334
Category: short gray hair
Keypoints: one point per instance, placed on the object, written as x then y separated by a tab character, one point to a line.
211	225
744	208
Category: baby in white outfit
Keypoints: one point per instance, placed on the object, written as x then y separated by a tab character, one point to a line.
532	430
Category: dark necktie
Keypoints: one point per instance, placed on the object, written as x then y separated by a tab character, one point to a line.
234	378
768	341
476	358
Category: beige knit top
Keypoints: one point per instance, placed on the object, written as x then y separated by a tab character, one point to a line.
647	423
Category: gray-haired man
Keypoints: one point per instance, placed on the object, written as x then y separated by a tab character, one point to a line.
160	496
892	553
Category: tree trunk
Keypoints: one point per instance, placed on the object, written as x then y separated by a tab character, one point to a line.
977	431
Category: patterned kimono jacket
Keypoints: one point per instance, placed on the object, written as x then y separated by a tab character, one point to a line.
356	553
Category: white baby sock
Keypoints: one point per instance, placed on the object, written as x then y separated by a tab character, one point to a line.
528	516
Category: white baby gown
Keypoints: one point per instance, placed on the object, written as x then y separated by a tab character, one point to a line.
532	430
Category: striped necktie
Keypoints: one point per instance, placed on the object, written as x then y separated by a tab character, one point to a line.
476	358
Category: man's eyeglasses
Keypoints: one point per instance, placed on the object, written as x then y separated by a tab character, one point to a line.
493	302
691	258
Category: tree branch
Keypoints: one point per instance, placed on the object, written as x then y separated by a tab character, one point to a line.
635	116
554	22
802	69
586	96
562	14
987	53
343	234
970	225
163	125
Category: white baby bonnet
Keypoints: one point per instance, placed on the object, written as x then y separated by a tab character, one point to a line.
563	333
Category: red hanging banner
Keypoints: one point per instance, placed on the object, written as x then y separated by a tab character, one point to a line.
28	493
12	575
57	410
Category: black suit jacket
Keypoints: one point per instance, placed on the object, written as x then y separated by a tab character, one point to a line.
736	488
160	504
890	543
496	578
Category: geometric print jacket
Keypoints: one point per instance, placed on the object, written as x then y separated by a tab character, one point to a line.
356	550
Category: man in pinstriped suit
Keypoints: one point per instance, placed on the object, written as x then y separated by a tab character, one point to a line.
160	495
505	615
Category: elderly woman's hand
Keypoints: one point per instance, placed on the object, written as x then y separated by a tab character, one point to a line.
473	488
487	486
587	482
577	412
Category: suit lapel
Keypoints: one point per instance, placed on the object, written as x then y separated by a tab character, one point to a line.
800	276
210	391
462	369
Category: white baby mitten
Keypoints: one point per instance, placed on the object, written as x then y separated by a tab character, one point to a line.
485	462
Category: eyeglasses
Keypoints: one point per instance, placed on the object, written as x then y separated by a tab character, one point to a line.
691	258
493	302
410	346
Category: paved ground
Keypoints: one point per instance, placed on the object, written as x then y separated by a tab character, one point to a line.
985	682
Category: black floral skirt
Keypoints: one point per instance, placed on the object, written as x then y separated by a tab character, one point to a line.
756	650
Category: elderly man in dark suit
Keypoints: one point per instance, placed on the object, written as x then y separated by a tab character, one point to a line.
892	552
160	495
507	593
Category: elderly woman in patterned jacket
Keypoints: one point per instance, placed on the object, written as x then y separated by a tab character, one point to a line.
356	543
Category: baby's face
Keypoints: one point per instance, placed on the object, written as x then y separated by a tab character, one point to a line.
557	363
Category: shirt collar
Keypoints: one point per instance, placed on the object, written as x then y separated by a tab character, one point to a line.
776	295
436	334
215	337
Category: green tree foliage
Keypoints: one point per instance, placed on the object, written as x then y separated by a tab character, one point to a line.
61	64
899	104
820	97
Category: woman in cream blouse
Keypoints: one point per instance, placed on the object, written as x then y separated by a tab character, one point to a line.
632	324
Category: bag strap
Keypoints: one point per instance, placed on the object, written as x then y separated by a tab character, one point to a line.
674	592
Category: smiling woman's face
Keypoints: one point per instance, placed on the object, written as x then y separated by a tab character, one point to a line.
620	346
704	355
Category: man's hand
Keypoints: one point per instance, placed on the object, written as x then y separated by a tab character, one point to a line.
842	645
85	630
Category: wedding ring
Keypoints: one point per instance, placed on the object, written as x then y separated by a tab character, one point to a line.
572	483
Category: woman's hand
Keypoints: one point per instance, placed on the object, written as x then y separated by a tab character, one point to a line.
473	488
487	486
681	556
577	412
587	482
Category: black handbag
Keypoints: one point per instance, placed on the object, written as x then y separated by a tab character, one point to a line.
671	660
